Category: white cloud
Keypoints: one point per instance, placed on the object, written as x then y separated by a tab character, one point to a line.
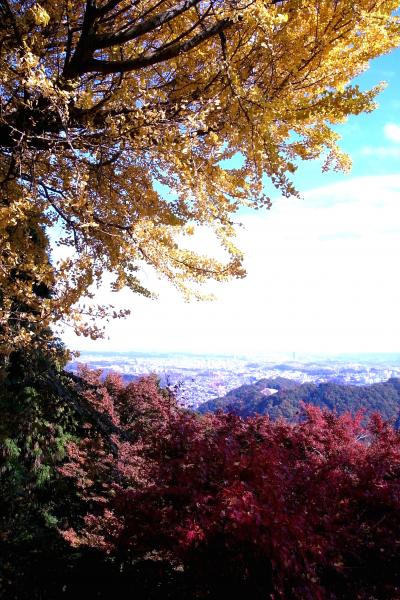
322	276
381	151
392	132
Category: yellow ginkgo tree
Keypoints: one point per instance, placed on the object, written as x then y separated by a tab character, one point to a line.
117	118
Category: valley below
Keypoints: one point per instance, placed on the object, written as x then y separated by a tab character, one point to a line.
200	379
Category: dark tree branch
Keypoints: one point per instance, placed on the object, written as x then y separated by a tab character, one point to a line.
84	49
83	60
161	55
108	7
113	16
107	40
187	32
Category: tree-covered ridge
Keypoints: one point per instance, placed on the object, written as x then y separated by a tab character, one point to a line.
253	399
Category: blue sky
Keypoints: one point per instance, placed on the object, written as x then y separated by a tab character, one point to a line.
361	133
323	271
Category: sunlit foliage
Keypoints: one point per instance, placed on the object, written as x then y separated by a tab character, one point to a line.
116	118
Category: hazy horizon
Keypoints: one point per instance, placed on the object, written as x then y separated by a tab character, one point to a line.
285	357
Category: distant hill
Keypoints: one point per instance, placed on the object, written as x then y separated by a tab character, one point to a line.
283	397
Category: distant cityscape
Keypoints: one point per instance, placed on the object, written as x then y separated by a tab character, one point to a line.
199	378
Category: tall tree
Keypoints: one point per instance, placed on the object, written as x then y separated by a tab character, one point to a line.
116	118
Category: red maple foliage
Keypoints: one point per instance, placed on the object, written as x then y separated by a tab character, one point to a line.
268	509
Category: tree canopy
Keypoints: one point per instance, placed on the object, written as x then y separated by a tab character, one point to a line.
118	117
242	507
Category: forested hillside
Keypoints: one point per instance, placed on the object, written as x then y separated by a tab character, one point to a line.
262	398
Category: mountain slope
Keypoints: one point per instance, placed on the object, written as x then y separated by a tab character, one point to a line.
283	398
